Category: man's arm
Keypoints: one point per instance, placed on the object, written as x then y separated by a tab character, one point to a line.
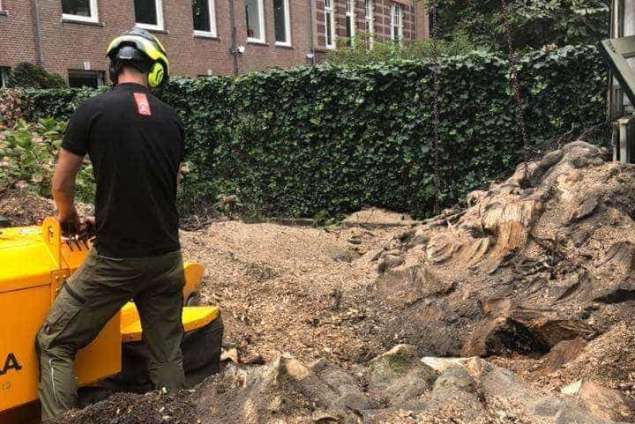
63	187
180	174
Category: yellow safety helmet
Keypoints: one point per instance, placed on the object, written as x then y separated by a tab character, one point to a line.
142	50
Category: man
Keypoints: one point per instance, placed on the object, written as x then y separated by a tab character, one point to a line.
135	143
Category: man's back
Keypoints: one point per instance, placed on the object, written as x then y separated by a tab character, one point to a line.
135	143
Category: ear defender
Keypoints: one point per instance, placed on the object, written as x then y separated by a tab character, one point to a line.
156	75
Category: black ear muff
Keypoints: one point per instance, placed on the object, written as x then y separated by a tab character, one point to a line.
114	73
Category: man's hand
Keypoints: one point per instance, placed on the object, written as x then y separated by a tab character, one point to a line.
69	222
87	228
66	170
76	227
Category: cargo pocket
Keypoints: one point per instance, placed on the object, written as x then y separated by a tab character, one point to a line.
58	328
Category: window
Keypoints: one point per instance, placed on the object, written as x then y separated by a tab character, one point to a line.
350	21
80	10
4	76
255	17
149	14
396	28
369	22
92	79
329	24
282	22
204	18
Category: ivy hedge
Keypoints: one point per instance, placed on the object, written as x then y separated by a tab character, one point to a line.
331	139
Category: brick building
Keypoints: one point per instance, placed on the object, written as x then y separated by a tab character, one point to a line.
203	37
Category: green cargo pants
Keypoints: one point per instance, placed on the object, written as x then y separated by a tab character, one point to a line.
89	299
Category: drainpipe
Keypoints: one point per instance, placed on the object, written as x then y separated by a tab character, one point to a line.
39	56
233	50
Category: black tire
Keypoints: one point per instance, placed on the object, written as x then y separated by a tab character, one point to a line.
201	350
193	300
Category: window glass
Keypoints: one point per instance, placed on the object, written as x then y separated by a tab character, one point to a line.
350	22
329	24
4	76
91	79
200	11
280	20
350	25
253	17
146	12
397	30
76	7
369	22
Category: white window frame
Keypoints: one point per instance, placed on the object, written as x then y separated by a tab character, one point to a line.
329	11
211	4
394	15
160	26
287	25
350	14
100	76
369	19
93	18
262	38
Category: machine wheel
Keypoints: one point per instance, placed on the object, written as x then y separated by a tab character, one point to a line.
201	350
193	300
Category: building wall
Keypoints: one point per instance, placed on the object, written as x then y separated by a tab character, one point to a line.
69	45
17	40
382	20
267	55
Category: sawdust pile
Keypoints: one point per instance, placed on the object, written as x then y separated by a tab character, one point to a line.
536	274
22	207
290	289
154	407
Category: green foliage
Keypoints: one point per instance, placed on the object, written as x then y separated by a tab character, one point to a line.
28	75
27	158
533	23
320	141
361	54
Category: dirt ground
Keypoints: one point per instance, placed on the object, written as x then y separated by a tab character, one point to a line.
536	274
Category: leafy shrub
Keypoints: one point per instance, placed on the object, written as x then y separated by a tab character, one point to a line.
533	24
27	158
11	102
28	75
386	51
331	139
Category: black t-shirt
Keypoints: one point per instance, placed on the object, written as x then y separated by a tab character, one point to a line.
136	144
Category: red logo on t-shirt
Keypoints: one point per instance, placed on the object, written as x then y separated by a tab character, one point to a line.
143	105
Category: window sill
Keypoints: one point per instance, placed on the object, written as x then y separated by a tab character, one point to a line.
151	28
257	42
80	22
284	46
206	36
